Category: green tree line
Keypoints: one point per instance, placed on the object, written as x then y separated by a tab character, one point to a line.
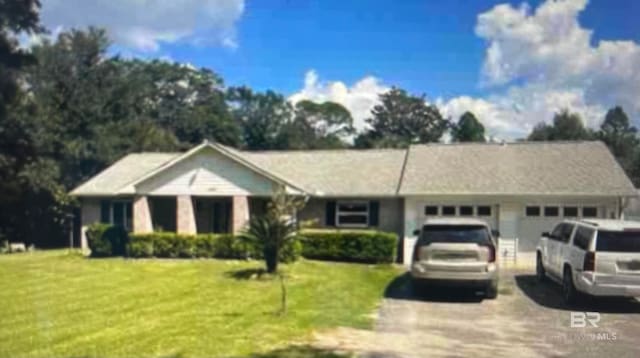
69	108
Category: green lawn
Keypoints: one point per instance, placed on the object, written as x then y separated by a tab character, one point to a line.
56	304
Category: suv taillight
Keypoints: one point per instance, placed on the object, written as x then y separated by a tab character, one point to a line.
589	263
492	253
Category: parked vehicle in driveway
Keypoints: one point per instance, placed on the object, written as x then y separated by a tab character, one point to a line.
456	251
593	257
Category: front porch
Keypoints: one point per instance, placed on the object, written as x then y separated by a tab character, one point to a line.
186	214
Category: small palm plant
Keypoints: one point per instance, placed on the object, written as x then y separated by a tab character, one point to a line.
276	229
270	234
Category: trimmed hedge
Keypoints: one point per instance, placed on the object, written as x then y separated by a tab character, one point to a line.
106	240
364	246
226	246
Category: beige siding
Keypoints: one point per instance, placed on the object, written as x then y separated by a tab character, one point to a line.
89	214
390	214
207	173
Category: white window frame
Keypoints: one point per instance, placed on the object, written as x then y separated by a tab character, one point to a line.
352	213
127	226
424	210
581	211
578	211
544	206
540	208
455	210
473	211
477	211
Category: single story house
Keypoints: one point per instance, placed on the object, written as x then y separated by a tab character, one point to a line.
521	189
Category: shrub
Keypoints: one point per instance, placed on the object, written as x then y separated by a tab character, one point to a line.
204	245
291	251
100	247
229	246
107	240
352	246
172	245
141	246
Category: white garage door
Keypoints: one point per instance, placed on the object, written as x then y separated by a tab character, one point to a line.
536	219
488	212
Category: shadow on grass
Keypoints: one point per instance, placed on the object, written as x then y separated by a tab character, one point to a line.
248	274
402	288
549	294
300	352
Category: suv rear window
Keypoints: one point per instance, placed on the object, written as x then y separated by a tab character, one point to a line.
455	234
618	241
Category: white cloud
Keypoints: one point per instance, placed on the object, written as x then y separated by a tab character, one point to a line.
513	114
143	25
539	62
359	98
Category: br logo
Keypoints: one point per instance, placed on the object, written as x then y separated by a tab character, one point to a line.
580	319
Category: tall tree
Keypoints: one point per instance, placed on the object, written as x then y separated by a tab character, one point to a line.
618	133
262	116
468	129
22	175
402	119
621	137
318	126
566	126
188	102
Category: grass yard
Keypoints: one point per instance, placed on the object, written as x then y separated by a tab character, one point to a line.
57	304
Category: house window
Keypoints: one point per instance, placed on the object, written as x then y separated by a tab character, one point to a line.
117	212
551	211
570	211
589	212
532	211
352	213
466	210
431	210
448	211
484	210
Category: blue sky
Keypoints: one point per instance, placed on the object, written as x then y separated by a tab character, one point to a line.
423	46
439	48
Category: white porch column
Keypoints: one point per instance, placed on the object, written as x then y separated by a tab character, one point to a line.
240	214
141	215
185	216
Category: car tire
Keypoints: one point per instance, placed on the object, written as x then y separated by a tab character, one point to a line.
492	291
541	274
569	292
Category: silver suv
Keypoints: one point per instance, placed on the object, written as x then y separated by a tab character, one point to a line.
594	257
455	251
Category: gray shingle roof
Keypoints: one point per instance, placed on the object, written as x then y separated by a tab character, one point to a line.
336	172
122	172
547	168
534	168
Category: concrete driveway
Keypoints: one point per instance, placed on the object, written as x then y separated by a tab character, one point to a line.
527	320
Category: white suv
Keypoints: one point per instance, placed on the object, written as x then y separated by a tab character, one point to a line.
594	257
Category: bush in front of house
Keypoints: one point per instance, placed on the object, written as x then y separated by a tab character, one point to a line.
364	246
107	240
172	245
223	246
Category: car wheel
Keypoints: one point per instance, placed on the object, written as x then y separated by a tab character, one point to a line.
569	293
492	290
541	274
